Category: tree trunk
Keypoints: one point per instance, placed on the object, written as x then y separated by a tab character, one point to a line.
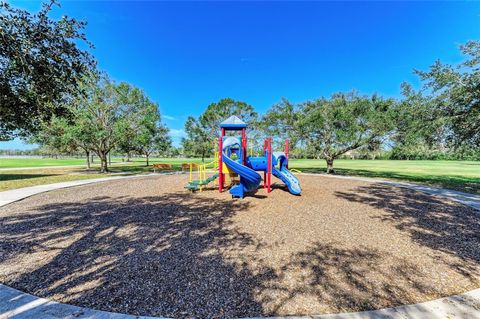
128	156
329	165
146	155
104	163
88	159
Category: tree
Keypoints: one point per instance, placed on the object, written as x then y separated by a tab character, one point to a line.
99	113
329	128
281	122
418	129
202	133
108	111
55	136
197	142
40	67
63	135
102	116
345	122
455	94
281	119
152	137
140	116
141	129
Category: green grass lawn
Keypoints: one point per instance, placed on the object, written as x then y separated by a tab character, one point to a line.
45	162
18	177
38	162
458	175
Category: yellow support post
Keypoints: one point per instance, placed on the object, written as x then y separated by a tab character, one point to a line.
190	172
199	170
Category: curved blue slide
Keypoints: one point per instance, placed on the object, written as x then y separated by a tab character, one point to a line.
284	174
288	178
249	179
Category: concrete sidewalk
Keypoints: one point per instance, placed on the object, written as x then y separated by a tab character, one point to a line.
15	304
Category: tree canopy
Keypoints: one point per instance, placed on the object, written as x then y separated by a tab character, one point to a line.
103	118
454	91
202	132
332	127
40	66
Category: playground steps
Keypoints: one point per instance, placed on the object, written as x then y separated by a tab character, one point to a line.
196	184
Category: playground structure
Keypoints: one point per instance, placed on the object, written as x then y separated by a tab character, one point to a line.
232	161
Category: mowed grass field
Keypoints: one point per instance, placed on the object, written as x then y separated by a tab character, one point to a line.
38	162
24	172
458	175
6	163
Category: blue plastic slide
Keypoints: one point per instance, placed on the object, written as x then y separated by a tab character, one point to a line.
288	178
249	179
284	174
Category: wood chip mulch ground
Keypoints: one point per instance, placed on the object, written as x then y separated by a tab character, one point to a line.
148	247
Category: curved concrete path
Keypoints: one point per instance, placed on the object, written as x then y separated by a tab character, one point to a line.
19	305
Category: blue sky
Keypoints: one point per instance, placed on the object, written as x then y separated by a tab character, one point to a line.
186	55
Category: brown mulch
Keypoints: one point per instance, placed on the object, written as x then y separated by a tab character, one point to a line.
146	246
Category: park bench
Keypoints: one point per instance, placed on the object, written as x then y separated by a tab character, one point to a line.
161	167
186	166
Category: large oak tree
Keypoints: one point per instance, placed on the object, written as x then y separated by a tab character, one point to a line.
202	132
454	92
40	66
330	127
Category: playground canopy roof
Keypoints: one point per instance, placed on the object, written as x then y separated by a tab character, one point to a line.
233	123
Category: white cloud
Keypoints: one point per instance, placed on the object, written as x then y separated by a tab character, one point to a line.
177	133
168	117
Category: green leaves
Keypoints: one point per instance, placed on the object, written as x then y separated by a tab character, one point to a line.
331	127
40	66
454	95
203	132
106	116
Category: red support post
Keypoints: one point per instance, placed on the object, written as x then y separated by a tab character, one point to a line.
244	146
220	164
269	177
286	150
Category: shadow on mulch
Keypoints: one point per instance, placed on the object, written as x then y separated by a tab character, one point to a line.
165	255
430	221
169	263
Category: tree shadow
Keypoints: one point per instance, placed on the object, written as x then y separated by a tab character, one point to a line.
438	224
344	280
13	177
154	255
181	255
